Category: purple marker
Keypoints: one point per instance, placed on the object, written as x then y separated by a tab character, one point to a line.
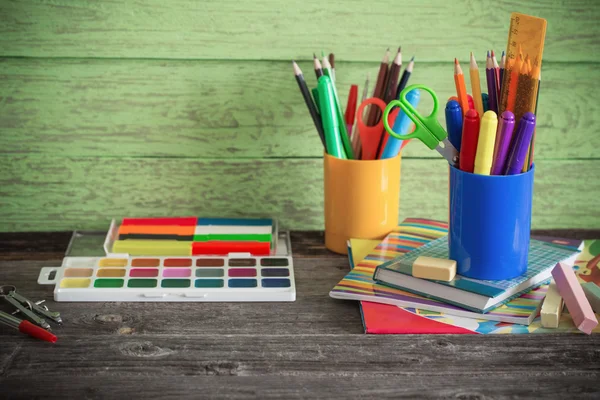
506	125
518	153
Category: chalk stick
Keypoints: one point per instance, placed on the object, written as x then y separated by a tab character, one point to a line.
552	307
434	268
184	221
236	221
572	293
233	230
153	247
592	292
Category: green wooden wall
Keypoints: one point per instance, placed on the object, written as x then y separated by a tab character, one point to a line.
120	108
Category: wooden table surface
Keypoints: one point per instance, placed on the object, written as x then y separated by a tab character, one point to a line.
312	348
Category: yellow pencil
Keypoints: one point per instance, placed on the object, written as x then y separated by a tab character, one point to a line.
476	86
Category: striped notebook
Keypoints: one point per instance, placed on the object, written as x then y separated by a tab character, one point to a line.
413	233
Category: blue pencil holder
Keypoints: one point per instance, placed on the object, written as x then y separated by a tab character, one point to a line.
490	223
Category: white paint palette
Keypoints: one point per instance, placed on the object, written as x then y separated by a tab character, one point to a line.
237	277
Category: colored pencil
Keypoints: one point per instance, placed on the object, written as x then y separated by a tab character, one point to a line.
461	90
390	92
405	75
332	62
374	113
497	76
394	74
476	86
502	66
312	109
356	143
529	161
318	67
490	75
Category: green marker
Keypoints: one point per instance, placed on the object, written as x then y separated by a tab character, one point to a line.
329	116
327	71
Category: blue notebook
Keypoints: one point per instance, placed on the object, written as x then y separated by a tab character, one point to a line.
472	294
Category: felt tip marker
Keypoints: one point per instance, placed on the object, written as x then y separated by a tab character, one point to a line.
454	123
470	137
329	115
485	144
518	152
506	126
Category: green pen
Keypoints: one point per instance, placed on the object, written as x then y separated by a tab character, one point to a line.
329	116
327	71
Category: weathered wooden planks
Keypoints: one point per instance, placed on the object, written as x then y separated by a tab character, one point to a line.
61	193
271	29
213	109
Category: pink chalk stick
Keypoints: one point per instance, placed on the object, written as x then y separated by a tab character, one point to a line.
572	293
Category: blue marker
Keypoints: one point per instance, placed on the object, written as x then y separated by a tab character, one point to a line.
401	126
454	123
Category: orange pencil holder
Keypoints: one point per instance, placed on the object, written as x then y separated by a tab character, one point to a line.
361	199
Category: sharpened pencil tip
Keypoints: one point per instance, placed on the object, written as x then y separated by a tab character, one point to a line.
493	53
413	58
399	49
502	53
455	61
314	55
488	53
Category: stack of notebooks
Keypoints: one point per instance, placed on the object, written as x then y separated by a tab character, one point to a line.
393	301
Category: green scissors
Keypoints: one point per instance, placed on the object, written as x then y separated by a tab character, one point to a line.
427	129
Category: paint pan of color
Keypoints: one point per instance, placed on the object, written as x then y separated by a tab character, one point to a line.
75	283
267	272
210	262
78	272
142	283
110	273
274	262
209	283
112	262
242	272
242	262
145	262
242	283
109	283
175	283
209	273
178	262
276	283
177	273
143	273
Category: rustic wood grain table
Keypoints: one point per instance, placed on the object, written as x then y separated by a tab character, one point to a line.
312	348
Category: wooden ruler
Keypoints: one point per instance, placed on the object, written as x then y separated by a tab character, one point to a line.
525	43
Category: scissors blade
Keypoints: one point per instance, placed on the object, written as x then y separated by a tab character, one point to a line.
448	151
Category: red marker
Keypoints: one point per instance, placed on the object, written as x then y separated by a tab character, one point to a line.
27	327
470	137
350	113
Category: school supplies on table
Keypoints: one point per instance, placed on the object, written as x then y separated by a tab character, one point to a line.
477	295
234	277
410	234
34	314
572	293
186	236
552	307
26	327
427	129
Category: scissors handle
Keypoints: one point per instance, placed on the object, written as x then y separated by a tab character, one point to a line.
427	129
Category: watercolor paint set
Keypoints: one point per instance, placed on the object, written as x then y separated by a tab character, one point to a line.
234	275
